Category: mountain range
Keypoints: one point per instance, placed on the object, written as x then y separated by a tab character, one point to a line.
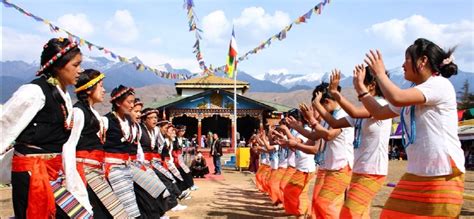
15	73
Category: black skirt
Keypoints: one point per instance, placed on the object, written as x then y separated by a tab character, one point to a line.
149	207
20	188
99	209
187	177
172	200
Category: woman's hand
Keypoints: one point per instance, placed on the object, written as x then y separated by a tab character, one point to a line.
292	143
375	62
308	112
358	79
317	99
282	142
334	82
292	122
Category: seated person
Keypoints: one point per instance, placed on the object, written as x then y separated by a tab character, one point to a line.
199	167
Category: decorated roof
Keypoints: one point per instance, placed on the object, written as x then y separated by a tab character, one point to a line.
213	99
210	81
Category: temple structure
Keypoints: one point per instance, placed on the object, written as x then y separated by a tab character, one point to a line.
206	104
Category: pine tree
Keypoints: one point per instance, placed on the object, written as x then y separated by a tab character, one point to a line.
467	98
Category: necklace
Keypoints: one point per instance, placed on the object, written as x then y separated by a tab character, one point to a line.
102	130
357	133
67	126
412	134
152	137
126	137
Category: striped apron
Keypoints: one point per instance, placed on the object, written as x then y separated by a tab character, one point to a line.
296	193
330	199
426	197
362	191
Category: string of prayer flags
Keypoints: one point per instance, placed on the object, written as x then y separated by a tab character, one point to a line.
81	42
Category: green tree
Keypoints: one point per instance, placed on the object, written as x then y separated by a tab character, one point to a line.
467	98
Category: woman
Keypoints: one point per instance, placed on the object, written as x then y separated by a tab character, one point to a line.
263	170
166	155
163	171
338	155
296	200
370	148
180	143
117	147
38	119
273	178
254	154
434	183
85	146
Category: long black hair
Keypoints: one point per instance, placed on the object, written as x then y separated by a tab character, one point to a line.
423	47
84	78
122	97
53	47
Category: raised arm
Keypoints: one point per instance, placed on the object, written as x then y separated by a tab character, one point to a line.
349	108
333	122
376	110
392	93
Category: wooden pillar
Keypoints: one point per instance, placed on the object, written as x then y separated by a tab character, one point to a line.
199	134
233	131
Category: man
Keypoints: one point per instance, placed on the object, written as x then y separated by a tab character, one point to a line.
199	167
216	153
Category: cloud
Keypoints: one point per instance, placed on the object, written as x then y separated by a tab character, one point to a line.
156	41
156	60
258	23
20	46
253	21
121	27
76	23
216	27
399	33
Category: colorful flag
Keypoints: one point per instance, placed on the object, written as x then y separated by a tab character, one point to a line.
231	64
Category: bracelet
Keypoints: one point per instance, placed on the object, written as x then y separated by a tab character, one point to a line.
362	95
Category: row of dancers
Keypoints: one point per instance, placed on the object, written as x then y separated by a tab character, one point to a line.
68	161
348	143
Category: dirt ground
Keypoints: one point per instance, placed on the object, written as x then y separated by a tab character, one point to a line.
236	197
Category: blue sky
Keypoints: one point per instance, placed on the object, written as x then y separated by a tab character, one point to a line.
157	31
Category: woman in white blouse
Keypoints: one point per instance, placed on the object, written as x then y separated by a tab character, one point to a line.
37	120
434	183
370	148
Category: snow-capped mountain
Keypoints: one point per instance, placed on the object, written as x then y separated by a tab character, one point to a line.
298	81
15	73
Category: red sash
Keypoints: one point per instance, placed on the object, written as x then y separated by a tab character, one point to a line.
96	155
41	202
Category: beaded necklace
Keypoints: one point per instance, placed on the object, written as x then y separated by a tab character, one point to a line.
357	133
125	138
102	130
412	134
152	137
67	126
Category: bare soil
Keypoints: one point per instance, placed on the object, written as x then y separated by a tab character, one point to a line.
236	197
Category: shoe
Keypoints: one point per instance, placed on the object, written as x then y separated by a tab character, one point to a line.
218	174
164	217
194	188
184	195
187	198
179	207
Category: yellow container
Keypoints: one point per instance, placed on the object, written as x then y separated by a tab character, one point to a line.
243	158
